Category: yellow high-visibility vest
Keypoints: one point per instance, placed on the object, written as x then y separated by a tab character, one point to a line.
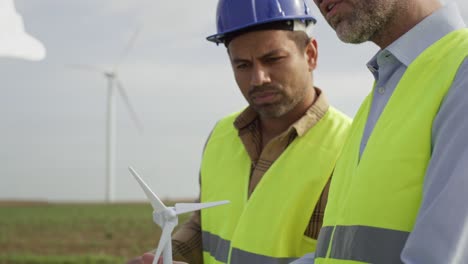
269	226
373	201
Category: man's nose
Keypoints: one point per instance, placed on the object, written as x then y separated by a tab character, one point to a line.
260	76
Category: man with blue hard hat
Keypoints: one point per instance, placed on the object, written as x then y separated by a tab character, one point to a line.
272	158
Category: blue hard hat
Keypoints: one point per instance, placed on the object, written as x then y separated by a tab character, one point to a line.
236	15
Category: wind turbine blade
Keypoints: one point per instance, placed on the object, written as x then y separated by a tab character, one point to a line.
165	238
85	67
155	201
128	47
129	106
182	208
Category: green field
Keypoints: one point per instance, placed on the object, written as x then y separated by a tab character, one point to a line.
75	233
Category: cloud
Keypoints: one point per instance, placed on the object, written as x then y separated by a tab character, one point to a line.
463	5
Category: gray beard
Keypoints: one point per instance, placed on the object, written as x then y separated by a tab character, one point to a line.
365	24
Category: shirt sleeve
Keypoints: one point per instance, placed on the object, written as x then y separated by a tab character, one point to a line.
187	245
440	234
187	241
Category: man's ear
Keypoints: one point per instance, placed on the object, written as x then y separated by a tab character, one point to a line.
311	52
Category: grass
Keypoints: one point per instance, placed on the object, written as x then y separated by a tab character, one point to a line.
75	233
35	259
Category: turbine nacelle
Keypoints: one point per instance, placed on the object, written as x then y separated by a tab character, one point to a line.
110	74
166	215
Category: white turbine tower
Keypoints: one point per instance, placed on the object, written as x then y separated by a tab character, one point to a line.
114	86
166	218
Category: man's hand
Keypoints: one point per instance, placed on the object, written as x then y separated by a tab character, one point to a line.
136	260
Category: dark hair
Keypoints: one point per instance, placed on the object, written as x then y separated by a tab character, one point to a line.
299	37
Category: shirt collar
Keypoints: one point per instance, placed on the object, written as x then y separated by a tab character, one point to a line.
432	28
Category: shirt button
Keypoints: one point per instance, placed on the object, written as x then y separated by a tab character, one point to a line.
381	90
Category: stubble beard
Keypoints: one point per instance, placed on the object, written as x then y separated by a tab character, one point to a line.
283	106
364	24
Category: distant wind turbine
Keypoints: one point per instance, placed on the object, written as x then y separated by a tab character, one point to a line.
113	84
14	41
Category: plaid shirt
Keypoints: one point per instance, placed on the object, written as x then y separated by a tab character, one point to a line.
187	241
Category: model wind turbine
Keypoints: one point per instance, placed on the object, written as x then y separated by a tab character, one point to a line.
114	85
166	218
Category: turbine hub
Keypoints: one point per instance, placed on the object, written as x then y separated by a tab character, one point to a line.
164	216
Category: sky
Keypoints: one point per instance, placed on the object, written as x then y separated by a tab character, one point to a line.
53	116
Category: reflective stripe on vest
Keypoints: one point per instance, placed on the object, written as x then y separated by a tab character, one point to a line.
244	257
362	243
323	241
219	249
216	246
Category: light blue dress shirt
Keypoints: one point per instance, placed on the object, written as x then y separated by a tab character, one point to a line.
440	234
